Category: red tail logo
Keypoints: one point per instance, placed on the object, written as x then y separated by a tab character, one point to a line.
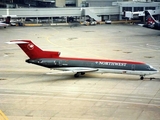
30	46
150	20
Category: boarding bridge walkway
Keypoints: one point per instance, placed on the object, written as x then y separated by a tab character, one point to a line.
93	12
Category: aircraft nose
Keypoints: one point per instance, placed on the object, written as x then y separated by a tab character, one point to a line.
157	71
153	69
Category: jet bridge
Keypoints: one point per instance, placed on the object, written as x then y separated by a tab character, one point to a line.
93	12
97	12
130	15
41	12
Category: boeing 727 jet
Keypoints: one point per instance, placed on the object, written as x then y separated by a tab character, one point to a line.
80	66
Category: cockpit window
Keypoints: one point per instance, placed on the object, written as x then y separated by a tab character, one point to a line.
149	67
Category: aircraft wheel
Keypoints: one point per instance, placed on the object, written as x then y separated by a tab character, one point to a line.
82	73
142	77
76	75
152	78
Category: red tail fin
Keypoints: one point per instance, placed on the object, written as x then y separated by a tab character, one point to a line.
150	21
33	51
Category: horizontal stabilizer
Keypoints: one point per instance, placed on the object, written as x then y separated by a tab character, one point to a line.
17	42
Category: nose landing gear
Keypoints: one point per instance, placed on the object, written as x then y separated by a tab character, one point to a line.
141	77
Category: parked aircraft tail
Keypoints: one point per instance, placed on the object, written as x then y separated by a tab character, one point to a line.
32	51
8	20
150	21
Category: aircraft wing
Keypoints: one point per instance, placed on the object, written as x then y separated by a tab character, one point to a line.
3	24
77	69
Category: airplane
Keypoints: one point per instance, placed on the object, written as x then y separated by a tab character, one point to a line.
150	21
5	23
80	66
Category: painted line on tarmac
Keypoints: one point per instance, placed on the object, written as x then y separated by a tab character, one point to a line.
30	92
47	93
157	101
3	116
135	100
111	97
9	91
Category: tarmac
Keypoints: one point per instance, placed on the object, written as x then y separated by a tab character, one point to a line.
28	93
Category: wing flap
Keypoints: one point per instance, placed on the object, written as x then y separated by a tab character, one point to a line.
61	72
81	70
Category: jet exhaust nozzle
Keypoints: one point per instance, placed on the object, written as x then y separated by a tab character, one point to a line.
29	61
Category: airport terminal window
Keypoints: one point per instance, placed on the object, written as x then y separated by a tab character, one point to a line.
150	8
127	9
70	3
84	4
138	9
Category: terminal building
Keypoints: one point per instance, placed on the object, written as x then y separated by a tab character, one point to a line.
62	3
99	10
69	3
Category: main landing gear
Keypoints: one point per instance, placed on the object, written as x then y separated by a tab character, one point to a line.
78	74
142	77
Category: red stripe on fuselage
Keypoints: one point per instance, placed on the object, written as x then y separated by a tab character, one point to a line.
102	60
